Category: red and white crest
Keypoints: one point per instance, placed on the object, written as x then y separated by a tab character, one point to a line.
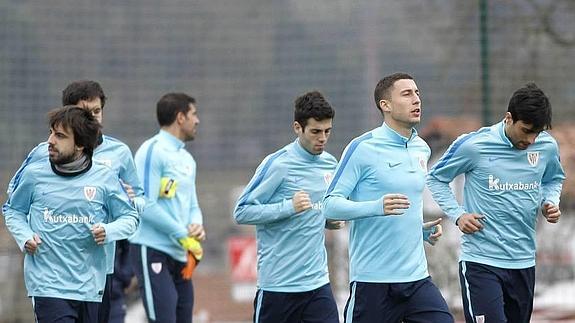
89	192
423	163
327	177
533	158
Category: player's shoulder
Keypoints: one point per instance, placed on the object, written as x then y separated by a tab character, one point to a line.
421	144
359	141
278	158
547	141
470	139
546	138
38	152
114	142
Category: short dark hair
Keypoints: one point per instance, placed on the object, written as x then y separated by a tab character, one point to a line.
82	90
530	105
170	105
84	126
383	87
312	105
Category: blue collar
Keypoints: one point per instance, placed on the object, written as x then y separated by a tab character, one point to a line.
500	128
302	152
171	140
386	132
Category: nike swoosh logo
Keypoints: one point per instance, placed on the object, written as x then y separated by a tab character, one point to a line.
493	158
392	165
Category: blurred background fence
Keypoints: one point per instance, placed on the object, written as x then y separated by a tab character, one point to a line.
246	61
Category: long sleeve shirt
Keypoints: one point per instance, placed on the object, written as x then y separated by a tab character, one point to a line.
168	174
382	248
291	246
505	184
68	263
110	152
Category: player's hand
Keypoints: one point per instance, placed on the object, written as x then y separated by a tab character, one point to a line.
334	225
436	231
32	245
470	222
301	201
393	204
129	190
551	212
196	231
99	233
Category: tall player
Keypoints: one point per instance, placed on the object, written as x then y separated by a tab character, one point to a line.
378	187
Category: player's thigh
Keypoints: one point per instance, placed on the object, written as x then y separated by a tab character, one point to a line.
482	293
321	307
154	272
427	304
519	290
55	310
277	307
371	303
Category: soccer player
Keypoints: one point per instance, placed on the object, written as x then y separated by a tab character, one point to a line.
378	187
283	201
512	170
116	155
172	219
61	212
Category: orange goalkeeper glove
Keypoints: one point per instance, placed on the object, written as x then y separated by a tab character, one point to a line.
194	254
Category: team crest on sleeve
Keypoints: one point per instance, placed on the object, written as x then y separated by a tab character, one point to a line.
327	177
89	192
533	158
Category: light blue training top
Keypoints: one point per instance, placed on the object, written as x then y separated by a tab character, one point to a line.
68	263
382	248
165	218
291	246
110	152
505	184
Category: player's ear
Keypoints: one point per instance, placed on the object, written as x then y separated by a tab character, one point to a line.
508	118
384	106
297	128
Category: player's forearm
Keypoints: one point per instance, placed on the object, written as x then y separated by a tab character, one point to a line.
339	208
18	226
155	216
552	191
443	195
255	214
123	227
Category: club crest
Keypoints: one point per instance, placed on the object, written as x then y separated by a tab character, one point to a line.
327	177
423	163
156	267
533	158
89	192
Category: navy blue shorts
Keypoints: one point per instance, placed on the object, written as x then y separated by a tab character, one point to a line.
104	311
121	279
418	301
317	305
167	297
57	310
492	294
